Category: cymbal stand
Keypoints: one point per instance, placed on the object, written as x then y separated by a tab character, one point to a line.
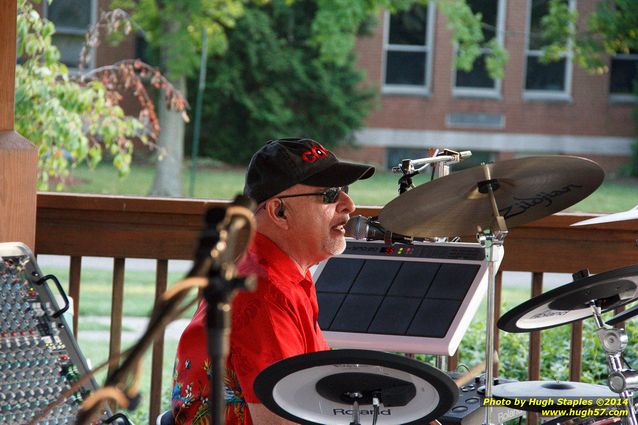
409	168
441	161
492	240
621	380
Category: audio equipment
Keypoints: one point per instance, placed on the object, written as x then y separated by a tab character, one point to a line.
39	358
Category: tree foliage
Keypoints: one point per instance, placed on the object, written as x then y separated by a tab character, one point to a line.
69	122
174	27
607	31
274	82
255	87
611	29
289	71
75	118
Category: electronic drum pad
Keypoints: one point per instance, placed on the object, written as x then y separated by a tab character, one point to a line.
570	302
314	388
536	396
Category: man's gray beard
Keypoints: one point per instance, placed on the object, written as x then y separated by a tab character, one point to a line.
341	247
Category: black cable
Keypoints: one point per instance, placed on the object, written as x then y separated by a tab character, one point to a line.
375	404
626	362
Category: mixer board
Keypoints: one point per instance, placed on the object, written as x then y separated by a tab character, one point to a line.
39	358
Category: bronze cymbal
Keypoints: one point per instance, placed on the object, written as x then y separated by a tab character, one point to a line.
528	189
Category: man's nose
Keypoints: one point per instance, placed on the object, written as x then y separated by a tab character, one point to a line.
345	203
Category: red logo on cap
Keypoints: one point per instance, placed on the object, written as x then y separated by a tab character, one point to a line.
314	153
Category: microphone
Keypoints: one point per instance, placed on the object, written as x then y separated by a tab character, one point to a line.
360	227
235	224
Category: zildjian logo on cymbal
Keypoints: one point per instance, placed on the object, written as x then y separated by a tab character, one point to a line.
523	204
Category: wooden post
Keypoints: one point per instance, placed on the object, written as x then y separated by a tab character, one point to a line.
18	156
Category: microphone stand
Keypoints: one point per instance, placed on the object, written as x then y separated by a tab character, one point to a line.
492	240
441	162
218	294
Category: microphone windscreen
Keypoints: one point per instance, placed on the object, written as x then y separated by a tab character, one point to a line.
245	201
357	227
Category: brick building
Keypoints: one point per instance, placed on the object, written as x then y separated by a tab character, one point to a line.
72	19
425	103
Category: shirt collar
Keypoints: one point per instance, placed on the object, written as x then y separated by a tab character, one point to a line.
276	263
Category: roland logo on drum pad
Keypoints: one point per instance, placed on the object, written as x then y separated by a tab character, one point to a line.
362	412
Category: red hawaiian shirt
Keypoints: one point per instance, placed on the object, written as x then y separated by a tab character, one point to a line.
277	321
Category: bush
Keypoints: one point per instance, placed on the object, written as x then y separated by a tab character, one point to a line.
555	352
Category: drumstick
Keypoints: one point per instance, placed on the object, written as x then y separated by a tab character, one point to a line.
470	374
474	371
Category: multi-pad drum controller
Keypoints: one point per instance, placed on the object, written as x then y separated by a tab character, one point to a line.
39	359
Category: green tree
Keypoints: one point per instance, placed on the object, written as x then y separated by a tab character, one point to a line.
173	29
273	82
69	121
612	28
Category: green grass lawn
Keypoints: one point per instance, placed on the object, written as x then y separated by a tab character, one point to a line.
95	290
217	183
97	353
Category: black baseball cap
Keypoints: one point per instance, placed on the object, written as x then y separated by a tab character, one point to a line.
283	163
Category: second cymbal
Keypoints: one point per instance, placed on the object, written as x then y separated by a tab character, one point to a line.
527	189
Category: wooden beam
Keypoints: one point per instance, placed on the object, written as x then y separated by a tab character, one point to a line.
127	226
75	273
117	309
534	369
8	13
161	279
18	157
576	352
18	165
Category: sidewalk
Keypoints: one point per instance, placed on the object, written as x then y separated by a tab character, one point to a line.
132	328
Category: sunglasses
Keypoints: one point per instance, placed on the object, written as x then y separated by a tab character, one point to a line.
330	195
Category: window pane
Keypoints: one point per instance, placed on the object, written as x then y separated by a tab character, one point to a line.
540	8
622	75
409	28
550	77
70	13
476	78
405	68
488	9
70	47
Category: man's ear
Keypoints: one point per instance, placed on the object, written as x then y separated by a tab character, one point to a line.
276	210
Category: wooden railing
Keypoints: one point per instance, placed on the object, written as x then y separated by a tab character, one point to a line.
166	229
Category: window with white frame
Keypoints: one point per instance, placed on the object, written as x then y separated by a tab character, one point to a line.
623	72
72	19
477	82
544	80
408	50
